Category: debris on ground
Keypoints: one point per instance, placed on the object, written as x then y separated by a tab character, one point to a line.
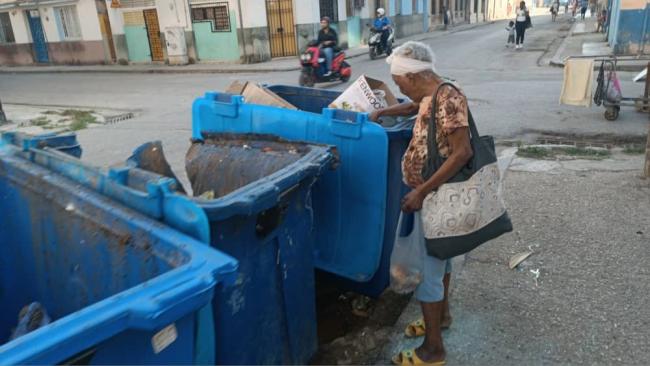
353	328
516	259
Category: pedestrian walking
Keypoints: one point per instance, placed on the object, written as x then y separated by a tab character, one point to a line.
566	8
445	16
511	34
584	4
593	5
555	8
574	9
602	19
521	23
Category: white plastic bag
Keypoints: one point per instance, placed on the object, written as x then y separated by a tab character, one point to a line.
407	259
614	92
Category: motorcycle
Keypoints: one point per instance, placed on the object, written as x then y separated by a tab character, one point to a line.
374	43
314	66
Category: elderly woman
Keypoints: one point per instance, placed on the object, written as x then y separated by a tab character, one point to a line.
412	68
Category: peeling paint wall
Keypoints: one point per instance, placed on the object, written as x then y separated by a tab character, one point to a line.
629	28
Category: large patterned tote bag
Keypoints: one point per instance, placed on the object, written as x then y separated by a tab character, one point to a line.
468	210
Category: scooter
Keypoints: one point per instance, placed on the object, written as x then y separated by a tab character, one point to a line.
374	43
314	66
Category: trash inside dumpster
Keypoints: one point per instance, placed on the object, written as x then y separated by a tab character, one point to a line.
86	279
356	207
255	191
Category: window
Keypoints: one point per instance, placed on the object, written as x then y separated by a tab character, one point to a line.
137	3
6	32
329	8
68	22
218	16
354	5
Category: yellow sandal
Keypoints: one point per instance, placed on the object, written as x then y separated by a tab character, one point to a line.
418	329
415	329
410	358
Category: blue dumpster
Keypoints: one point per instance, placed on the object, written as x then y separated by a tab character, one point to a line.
356	206
255	191
64	142
119	287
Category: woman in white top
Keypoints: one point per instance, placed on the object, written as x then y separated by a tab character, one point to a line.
521	24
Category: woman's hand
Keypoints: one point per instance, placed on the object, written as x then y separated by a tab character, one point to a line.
412	202
374	115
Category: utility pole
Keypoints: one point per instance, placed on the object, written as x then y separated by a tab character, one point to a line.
3	118
646	170
647	155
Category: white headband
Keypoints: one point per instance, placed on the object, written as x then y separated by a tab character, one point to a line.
403	65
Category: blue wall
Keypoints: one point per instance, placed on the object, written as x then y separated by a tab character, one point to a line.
407	7
629	29
614	11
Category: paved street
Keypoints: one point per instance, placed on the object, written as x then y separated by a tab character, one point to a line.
581	298
508	91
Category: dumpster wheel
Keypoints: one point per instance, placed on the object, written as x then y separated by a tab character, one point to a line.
611	113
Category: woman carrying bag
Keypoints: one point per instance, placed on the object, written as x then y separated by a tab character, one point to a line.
445	148
522	22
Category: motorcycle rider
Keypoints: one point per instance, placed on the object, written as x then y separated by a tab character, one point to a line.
327	40
382	24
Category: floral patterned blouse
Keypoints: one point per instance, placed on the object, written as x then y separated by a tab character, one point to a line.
451	114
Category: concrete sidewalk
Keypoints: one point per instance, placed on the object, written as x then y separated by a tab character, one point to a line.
576	300
579	297
584	41
275	65
581	33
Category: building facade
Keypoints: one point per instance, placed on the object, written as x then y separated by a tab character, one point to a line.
56	31
185	31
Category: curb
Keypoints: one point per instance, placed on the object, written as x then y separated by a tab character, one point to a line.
229	70
151	71
555	60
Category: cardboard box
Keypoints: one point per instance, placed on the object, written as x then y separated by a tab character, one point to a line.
256	94
365	95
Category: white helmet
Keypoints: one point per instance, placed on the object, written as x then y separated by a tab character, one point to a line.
381	11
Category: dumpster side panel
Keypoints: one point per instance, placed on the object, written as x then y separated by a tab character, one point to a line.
269	316
65	274
106	275
350	216
178	352
399	138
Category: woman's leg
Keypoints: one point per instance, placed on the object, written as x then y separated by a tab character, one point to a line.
445	320
432	294
517	31
520	26
432	349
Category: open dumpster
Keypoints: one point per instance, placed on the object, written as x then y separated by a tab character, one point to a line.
357	205
256	193
116	286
